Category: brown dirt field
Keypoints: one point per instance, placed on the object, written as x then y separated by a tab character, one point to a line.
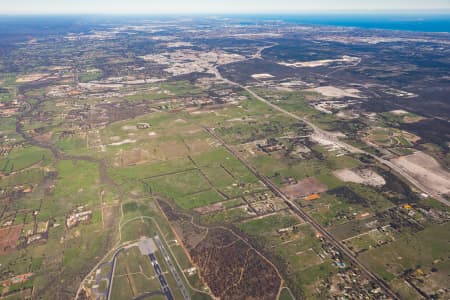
199	146
171	149
44	138
126	158
303	188
8	238
111	214
209	209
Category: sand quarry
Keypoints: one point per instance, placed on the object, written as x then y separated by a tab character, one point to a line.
324	62
426	170
262	76
362	176
334	92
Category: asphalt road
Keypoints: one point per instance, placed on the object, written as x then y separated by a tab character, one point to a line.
111	273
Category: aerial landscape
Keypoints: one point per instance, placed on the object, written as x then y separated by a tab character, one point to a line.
221	156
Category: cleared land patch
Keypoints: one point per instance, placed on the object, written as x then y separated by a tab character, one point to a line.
8	238
304	187
426	170
334	92
178	185
363	176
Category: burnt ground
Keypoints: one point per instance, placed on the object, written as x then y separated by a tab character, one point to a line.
242	71
431	131
415	66
232	269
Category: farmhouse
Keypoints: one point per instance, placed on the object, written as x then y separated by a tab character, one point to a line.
77	218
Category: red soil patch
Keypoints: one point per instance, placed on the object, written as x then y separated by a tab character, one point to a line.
8	238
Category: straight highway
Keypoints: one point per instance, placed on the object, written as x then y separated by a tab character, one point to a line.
301	213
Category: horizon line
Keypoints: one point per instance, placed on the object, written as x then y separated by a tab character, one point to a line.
442	11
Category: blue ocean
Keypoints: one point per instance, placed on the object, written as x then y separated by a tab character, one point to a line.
426	22
409	22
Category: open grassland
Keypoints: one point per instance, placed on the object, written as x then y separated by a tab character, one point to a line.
296	247
191	181
199	199
296	101
121	289
78	184
86	243
249	110
256	128
165	90
230	216
142	218
286	295
134	230
270	224
408	252
72	145
22	158
168	137
134	273
8	128
279	168
178	185
90	75
25	177
344	203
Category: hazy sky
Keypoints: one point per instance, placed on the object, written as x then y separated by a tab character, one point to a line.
210	6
